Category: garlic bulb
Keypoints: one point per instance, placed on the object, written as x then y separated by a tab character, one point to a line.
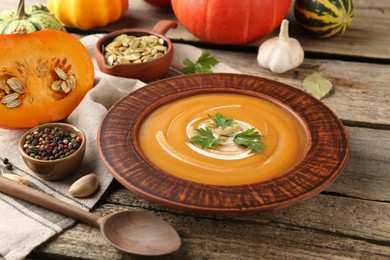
280	54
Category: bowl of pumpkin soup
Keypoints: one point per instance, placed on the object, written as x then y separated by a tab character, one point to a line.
223	144
223	138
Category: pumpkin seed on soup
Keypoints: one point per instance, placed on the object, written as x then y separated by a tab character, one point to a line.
132	49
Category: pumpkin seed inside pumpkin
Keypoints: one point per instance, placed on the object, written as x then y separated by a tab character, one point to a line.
56	86
9	98
61	73
71	81
64	87
10	91
16	85
4	87
13	103
65	84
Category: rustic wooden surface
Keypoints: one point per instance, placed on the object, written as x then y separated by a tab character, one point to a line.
351	219
367	37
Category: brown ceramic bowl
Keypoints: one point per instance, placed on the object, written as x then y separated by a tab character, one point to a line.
145	71
326	152
59	168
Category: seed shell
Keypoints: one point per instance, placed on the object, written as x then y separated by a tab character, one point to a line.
61	73
134	49
9	98
56	86
16	85
71	81
13	103
160	48
65	88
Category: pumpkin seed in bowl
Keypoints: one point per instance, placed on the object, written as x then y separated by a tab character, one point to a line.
134	49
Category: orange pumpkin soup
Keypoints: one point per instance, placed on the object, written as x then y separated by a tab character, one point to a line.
165	135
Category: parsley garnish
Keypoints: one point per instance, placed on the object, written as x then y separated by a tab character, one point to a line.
250	138
221	120
204	64
205	138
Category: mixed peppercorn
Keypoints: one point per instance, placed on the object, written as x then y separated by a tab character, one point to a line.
7	164
51	143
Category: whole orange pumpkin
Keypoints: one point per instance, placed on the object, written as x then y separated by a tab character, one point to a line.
230	22
87	14
44	75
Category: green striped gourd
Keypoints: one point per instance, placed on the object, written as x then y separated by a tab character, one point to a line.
35	18
324	18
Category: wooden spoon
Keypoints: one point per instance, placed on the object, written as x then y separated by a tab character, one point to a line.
139	233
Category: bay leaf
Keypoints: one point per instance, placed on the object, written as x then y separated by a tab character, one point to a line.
317	86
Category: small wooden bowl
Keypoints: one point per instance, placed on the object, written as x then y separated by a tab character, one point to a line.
145	71
59	168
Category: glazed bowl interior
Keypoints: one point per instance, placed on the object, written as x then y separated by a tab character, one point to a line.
59	168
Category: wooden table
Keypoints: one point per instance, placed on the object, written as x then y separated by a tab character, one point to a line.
351	219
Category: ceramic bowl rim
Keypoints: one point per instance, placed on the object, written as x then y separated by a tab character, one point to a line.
316	171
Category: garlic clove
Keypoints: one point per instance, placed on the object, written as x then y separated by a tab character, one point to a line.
84	186
282	53
16	178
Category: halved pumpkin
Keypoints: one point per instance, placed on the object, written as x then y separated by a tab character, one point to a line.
44	75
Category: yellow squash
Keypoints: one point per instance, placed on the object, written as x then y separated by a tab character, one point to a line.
88	14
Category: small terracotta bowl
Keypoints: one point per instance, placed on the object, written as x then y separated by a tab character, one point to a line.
145	71
59	168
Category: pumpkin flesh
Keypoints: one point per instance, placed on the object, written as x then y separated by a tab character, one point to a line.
32	58
236	22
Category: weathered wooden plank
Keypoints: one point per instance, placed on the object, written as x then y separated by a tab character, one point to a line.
367	173
365	178
361	89
355	225
367	32
366	37
347	216
323	227
277	235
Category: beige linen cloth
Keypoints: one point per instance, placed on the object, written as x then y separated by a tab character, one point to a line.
24	226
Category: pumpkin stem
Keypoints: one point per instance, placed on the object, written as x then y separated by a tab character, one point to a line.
21	13
283	34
